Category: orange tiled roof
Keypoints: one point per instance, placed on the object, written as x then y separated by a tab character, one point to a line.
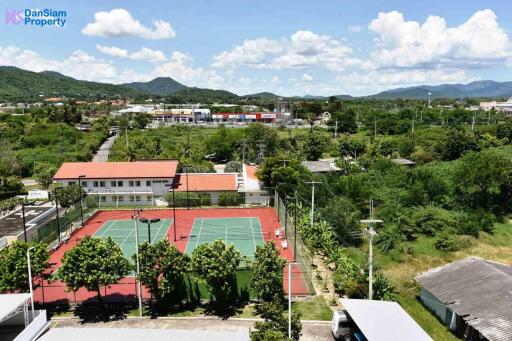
251	172
206	182
117	170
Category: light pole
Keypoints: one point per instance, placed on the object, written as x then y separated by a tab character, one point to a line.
80	191
290	298
149	222
24	223
313	183
371	233
57	211
30	281
173	186
139	289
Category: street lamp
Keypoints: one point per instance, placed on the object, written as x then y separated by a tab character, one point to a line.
30	281
57	210
173	186
149	222
80	191
135	217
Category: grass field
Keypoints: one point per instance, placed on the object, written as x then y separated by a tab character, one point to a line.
421	255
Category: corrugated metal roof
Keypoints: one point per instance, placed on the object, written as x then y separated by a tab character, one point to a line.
320	166
383	321
123	334
478	290
10	303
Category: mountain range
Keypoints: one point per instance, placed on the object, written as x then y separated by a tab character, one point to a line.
22	85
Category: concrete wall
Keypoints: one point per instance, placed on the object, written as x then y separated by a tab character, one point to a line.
437	307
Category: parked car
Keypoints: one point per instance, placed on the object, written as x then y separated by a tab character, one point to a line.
343	327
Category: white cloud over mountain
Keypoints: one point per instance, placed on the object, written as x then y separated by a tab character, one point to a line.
119	22
145	54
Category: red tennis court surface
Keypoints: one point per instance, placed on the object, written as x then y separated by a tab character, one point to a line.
126	290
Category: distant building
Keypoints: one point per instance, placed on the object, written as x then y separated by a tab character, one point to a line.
321	166
404	162
498	106
472	296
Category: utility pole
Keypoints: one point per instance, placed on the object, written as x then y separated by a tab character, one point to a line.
336	129
412	127
243	150
375	127
313	200
473	122
371	234
284	162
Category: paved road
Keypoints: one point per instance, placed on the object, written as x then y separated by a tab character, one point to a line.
104	151
311	330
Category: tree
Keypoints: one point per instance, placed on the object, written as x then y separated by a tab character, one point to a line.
93	263
260	138
314	146
162	270
267	272
216	264
141	120
69	195
233	167
275	323
457	142
343	216
14	267
43	173
346	121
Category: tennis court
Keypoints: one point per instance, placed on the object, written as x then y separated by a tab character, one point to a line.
123	233
244	233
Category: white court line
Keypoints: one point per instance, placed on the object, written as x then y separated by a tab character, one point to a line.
107	228
162	222
200	229
126	238
253	239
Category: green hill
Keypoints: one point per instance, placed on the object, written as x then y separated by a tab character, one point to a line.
161	86
17	85
196	95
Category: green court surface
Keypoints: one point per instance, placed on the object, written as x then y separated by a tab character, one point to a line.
123	233
244	233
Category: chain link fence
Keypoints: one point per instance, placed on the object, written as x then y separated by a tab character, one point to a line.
286	215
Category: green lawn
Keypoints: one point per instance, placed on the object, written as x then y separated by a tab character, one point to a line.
313	309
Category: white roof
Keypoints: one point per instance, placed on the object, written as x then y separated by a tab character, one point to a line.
10	303
383	321
123	334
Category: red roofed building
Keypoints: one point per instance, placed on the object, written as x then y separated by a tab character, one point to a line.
121	183
210	184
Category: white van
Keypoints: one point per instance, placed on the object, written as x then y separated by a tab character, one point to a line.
343	327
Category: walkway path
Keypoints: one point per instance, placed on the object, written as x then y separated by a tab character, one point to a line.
104	151
311	330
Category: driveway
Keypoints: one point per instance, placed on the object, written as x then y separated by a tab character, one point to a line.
311	330
104	151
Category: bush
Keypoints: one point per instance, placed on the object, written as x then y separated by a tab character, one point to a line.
233	167
194	199
229	199
446	242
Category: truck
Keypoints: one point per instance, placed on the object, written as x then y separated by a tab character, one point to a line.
344	328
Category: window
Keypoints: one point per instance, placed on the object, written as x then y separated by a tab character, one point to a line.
137	183
120	198
84	183
103	198
148	183
131	198
138	198
130	183
150	198
71	183
102	183
113	183
119	184
95	184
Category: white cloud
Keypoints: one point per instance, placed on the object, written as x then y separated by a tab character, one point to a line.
355	29
144	53
275	80
119	22
478	42
112	51
306	77
251	53
303	49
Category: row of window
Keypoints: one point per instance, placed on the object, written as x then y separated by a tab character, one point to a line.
131	198
119	183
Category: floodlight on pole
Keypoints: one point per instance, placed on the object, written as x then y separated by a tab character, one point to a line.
290	298
370	232
30	281
173	186
137	261
429	105
149	222
80	190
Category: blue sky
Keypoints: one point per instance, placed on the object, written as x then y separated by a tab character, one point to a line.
286	47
